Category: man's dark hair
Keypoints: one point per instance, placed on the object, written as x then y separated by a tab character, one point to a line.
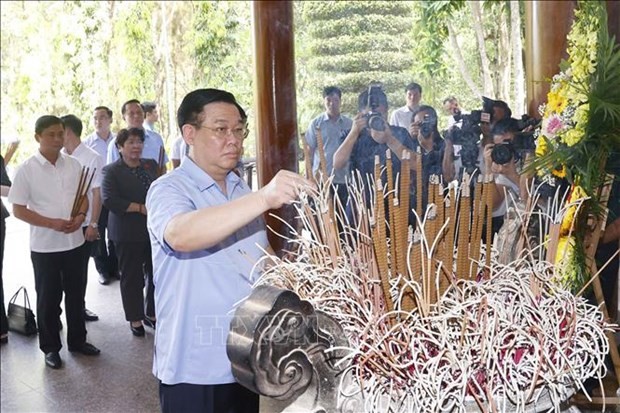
124	107
330	90
149	107
432	113
194	102
74	123
362	99
107	109
414	86
489	104
506	125
124	134
432	117
45	122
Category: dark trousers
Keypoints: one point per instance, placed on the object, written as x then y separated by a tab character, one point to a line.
87	250
55	273
104	253
4	324
217	398
136	269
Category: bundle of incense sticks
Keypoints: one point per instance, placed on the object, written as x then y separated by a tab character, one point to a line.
160	161
86	178
10	151
322	159
307	162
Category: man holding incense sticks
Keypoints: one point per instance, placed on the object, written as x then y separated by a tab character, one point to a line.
207	231
44	194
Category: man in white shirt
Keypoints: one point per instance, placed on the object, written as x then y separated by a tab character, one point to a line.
178	152
43	194
104	254
402	116
151	116
91	160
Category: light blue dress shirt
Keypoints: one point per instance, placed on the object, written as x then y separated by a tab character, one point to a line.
152	142
195	293
333	134
101	146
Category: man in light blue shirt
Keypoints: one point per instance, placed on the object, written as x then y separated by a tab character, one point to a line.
334	128
101	140
133	114
207	232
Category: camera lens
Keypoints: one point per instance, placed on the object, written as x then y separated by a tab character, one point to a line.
502	154
376	122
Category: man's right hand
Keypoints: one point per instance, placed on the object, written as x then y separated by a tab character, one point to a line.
284	188
359	123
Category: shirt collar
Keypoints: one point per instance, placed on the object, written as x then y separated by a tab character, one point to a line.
43	161
325	117
110	137
203	180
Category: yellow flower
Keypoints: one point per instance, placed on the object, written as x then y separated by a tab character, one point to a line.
572	136
563	258
559	171
576	194
541	147
556	101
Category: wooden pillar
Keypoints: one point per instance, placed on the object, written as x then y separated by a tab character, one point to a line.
547	24
613	19
275	101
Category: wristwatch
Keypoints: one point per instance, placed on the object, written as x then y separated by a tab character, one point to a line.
94	225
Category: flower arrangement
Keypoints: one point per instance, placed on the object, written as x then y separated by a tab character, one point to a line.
580	128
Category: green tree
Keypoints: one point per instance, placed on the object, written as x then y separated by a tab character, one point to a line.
353	43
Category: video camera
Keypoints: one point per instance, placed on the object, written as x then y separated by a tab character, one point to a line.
375	119
521	143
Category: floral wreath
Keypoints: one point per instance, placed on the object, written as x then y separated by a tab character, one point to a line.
580	128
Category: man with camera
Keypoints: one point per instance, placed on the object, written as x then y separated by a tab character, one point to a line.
423	128
371	136
501	158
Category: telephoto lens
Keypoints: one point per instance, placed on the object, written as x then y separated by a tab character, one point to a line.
376	122
502	153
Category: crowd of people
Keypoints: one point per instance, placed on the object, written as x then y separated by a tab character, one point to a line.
184	242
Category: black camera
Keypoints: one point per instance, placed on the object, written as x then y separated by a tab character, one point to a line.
428	125
473	118
375	119
468	137
527	121
507	151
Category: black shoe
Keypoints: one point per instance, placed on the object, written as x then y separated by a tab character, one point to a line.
4	338
149	322
53	360
87	349
90	316
104	279
137	331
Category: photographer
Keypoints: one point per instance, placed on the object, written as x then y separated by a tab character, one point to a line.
370	136
423	129
500	158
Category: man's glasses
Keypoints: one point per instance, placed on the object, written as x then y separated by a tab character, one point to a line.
222	132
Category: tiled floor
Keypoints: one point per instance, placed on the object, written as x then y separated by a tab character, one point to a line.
119	380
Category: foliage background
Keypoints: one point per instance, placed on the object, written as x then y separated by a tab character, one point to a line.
70	56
